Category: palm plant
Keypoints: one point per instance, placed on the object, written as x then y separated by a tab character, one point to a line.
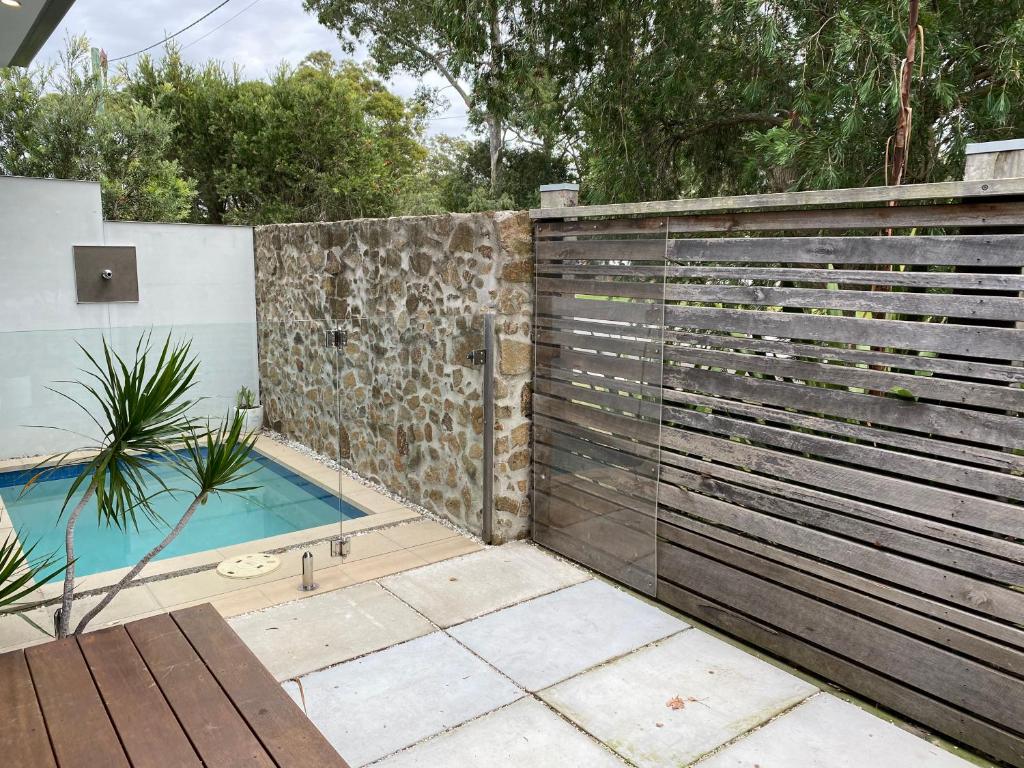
20	572
215	461
142	413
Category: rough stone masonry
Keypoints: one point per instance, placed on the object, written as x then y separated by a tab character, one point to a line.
400	403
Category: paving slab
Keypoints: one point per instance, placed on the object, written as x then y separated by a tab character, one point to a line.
827	732
550	638
386	701
675	701
300	637
525	733
454	591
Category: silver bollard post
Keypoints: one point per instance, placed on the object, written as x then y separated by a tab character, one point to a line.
308	585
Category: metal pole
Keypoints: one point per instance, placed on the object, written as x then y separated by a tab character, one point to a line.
308	585
488	510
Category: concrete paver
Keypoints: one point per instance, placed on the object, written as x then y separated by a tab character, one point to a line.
670	703
827	732
548	639
454	591
296	638
525	733
378	704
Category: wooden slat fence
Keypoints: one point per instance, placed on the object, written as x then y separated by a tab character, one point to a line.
812	442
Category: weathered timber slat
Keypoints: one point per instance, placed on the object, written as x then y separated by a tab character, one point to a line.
595	419
960	681
971	281
930	304
996	546
939	503
599	309
147	727
217	731
634	407
923	387
928	446
600	437
23	738
883	194
970	369
925	548
956	723
599	250
951	250
958	423
645	468
965	591
1002	642
881	459
964	215
80	730
963	340
285	732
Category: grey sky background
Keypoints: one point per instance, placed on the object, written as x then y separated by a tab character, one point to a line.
260	38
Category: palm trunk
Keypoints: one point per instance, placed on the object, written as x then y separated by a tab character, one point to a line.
128	577
69	572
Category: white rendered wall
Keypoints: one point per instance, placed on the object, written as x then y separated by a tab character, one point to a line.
195	282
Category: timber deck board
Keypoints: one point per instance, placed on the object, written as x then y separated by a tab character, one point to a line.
175	690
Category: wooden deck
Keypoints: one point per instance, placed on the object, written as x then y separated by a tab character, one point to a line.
178	689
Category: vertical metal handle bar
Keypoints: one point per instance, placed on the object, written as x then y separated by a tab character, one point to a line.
487	532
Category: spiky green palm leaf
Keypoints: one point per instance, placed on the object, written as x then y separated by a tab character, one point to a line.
142	414
20	573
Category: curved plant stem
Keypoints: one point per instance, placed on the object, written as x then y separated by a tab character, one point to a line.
69	573
128	577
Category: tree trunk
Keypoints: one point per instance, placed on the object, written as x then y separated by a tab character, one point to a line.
494	137
128	577
69	572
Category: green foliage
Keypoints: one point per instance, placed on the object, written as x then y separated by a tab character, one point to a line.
20	573
141	409
55	122
725	96
217	460
245	398
319	142
456	178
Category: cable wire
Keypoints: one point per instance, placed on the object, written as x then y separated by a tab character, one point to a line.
171	37
207	34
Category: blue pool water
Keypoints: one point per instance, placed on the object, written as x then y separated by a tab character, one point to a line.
283	503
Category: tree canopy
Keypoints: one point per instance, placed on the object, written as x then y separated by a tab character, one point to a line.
321	141
637	99
57	122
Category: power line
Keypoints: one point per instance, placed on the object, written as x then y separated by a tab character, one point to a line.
171	37
203	37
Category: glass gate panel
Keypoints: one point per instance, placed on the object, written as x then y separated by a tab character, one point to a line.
597	403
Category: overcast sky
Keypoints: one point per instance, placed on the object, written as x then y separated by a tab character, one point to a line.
260	38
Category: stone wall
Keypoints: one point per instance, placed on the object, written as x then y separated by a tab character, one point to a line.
401	404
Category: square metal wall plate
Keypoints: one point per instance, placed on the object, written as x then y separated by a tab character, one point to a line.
106	273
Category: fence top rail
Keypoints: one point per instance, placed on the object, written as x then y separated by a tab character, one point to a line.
902	193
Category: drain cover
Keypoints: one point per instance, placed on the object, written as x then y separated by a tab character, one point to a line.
249	565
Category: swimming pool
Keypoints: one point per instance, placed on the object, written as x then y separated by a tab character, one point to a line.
284	503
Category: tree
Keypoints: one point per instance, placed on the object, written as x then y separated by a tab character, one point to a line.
141	407
321	141
486	51
456	178
725	96
52	125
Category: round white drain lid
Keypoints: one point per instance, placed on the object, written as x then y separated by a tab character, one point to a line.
249	566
